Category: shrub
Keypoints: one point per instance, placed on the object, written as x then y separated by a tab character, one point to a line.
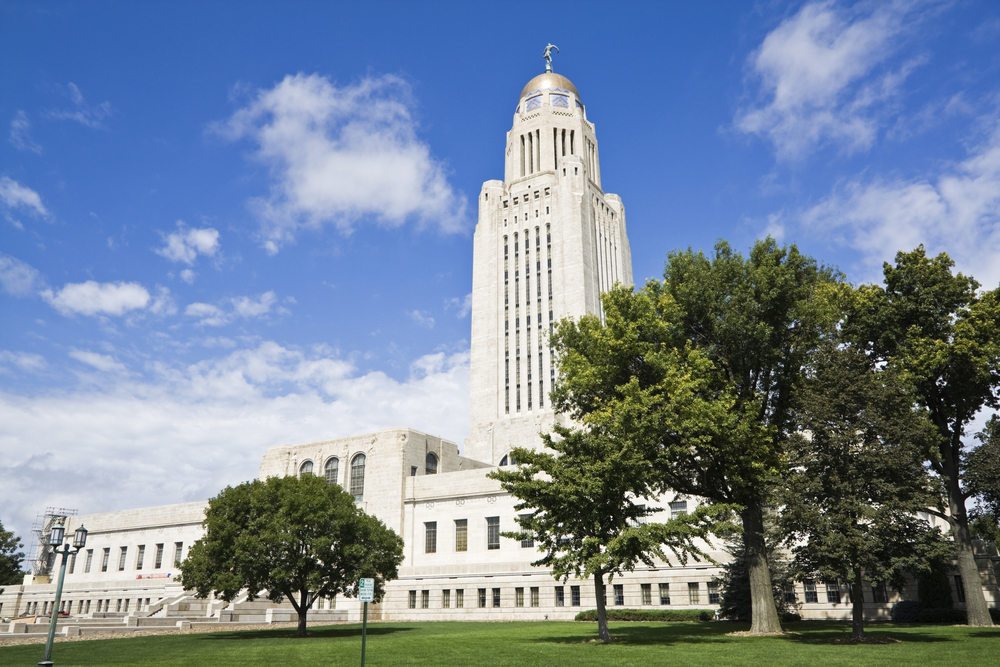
907	611
687	615
790	617
934	590
949	616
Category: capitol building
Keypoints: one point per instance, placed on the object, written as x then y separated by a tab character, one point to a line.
548	242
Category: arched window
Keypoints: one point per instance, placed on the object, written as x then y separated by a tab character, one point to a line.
306	468
332	469
358	476
432	463
507	460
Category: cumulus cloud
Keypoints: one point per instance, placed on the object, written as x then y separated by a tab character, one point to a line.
241	306
339	154
17	277
82	112
102	362
15	195
186	244
20	134
421	318
464	305
94	298
824	77
197	428
957	211
26	361
187	275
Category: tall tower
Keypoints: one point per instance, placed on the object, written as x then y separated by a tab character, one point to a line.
549	240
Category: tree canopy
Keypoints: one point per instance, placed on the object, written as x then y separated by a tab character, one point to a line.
981	474
11	558
290	537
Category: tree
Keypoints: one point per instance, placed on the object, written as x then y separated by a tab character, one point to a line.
944	337
981	474
290	537
11	558
735	601
586	517
858	479
697	373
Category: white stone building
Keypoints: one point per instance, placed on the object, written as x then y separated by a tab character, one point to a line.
548	242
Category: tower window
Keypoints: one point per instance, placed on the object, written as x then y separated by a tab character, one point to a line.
306	468
358	476
432	463
332	470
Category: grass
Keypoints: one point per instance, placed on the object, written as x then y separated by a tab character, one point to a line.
545	643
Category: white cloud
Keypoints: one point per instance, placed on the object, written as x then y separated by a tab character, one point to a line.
421	318
26	361
83	113
102	362
185	244
464	305
958	212
187	275
338	154
15	195
823	78
20	134
195	429
207	314
245	306
241	306
18	278
94	298
163	302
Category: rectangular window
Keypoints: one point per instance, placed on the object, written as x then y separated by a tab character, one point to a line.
107	557
694	596
518	597
530	542
459	598
678	508
790	593
560	597
86	609
178	550
492	532
713	592
496	597
446	598
574	592
140	556
833	592
158	563
425	599
647	593
619	594
665	594
126	606
482	598
413	471
118	607
72	563
430	537
959	588
121	558
413	599
534	596
90	560
809	589
461	534
879	593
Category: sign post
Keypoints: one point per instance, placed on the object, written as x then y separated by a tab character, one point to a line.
366	589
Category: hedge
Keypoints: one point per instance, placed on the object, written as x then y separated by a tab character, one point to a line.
650	615
910	611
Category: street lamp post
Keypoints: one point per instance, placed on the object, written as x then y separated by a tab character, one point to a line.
56	540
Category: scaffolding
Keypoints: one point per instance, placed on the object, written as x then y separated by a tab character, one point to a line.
42	565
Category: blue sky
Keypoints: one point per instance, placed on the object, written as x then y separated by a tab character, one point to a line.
225	226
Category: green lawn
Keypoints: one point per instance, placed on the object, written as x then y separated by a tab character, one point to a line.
547	643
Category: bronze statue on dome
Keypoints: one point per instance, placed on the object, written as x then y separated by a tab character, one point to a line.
548	56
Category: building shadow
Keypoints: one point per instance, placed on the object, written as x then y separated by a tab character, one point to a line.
323	632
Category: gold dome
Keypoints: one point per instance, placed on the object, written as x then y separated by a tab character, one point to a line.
549	80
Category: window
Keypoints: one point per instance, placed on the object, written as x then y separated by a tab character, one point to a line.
432	463
430	537
665	594
694	596
118	607
790	593
90	560
358	477
647	593
879	593
496	597
121	558
140	556
72	563
530	542
306	468
518	597
492	532
619	594
534	596
482	598
413	599
461	534
560	597
125	609
574	592
809	588
425	599
332	469
459	598
158	563
508	460
178	551
678	508
713	592
446	598
833	592
413	471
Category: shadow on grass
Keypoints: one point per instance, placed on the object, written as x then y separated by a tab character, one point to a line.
332	632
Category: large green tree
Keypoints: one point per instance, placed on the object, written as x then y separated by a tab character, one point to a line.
944	336
293	537
11	558
586	512
858	480
740	330
981	474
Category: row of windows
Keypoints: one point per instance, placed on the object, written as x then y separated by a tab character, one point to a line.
140	558
331	470
83	606
531	149
490	597
836	591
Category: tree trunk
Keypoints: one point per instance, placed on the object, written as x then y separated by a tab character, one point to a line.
975	599
858	603
302	609
764	614
602	609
